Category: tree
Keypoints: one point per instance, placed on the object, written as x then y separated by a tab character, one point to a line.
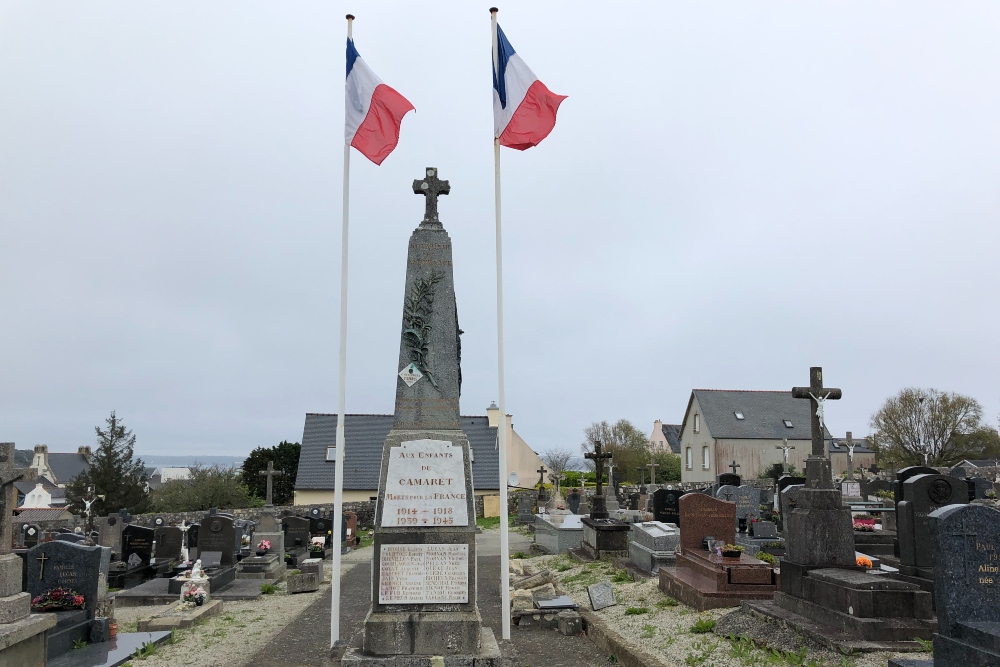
286	459
557	460
926	426
209	486
669	467
628	445
114	473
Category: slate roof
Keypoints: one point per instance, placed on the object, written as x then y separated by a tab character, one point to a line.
48	514
364	437
981	463
672	432
763	412
67	466
861	446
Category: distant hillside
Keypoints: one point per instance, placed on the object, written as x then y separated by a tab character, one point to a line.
155	460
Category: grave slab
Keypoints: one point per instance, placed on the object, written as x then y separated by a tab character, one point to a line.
179	619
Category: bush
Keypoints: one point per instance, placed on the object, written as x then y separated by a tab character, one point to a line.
268	589
703	625
767	558
636	611
622	577
667	602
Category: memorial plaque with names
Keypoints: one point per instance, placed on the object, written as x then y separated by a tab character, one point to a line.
424	573
425	485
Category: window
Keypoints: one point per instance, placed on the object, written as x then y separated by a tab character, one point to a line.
704	458
788	423
688	459
331	453
739	415
697	423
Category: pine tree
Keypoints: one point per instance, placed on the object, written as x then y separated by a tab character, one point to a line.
286	459
114	473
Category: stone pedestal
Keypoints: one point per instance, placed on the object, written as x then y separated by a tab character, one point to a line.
268	566
654	545
556	534
22	634
605	537
705	580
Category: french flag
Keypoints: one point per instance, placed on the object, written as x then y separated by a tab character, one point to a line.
374	110
524	110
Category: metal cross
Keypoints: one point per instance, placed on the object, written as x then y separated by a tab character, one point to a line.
541	477
41	565
598	456
269	473
811	392
734	465
431	187
785	447
642	475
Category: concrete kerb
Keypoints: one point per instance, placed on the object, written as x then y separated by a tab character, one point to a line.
611	643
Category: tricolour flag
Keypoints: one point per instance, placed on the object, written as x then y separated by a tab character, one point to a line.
524	110
374	110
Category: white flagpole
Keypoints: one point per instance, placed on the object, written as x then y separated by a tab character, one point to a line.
338	484
502	426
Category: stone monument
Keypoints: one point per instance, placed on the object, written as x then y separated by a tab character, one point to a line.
424	565
22	634
602	536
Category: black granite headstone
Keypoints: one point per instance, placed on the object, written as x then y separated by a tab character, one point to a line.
728	478
60	564
763	530
70	537
922	494
295	528
31	535
218	534
169	542
137	540
666	506
904	474
965	540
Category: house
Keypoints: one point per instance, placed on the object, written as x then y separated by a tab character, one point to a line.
157	477
665	437
864	456
723	428
56	467
365	437
39	493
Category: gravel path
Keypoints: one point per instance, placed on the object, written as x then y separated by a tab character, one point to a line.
646	617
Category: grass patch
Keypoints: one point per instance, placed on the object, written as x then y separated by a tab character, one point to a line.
666	602
622	577
648	631
268	589
488	522
519	555
926	645
703	625
636	611
562	567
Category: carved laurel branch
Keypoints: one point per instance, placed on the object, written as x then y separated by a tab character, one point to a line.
417	307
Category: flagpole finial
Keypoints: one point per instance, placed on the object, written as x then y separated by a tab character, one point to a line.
350	17
493	10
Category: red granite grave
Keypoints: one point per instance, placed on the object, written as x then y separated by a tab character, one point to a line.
706	580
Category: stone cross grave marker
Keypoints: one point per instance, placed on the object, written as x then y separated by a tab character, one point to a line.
818	474
733	466
642	479
726	492
653	465
431	188
785	448
599	509
541	485
269	473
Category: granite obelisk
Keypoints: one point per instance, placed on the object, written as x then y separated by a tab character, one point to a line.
424	565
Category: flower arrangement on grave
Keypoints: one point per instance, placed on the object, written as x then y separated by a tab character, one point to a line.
732	551
263	547
58	599
864	561
315	548
195	595
864	527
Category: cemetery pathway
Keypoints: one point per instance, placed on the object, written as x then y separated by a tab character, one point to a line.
305	641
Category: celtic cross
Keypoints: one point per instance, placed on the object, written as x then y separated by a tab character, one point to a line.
431	187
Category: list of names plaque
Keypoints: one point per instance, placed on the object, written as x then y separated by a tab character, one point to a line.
425	485
423	573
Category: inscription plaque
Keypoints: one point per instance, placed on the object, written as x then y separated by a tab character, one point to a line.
425	485
423	573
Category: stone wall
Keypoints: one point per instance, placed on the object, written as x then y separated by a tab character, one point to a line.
364	509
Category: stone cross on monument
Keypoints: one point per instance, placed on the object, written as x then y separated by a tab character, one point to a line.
818	474
653	465
850	455
733	466
431	187
599	510
269	473
541	481
785	447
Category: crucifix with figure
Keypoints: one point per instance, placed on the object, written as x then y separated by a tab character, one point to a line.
850	455
785	447
542	497
818	474
269	473
599	510
431	187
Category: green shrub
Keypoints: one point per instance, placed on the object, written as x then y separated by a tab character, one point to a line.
267	589
667	602
766	557
636	611
622	577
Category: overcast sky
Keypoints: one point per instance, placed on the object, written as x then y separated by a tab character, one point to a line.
733	192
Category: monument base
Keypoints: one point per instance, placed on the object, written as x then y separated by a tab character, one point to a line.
819	532
605	537
487	656
23	642
430	633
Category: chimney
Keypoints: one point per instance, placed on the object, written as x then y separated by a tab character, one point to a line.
84	452
40	460
493	414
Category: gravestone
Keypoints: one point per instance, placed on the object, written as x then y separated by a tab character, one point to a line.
633	501
904	474
109	529
784	482
31	534
137	540
728	479
705	516
764	530
978	486
191	535
70	537
320	526
747	500
602	595
217	534
922	494
424	600
169	543
726	492
653	545
666	508
60	564
573	500
525	508
295	528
